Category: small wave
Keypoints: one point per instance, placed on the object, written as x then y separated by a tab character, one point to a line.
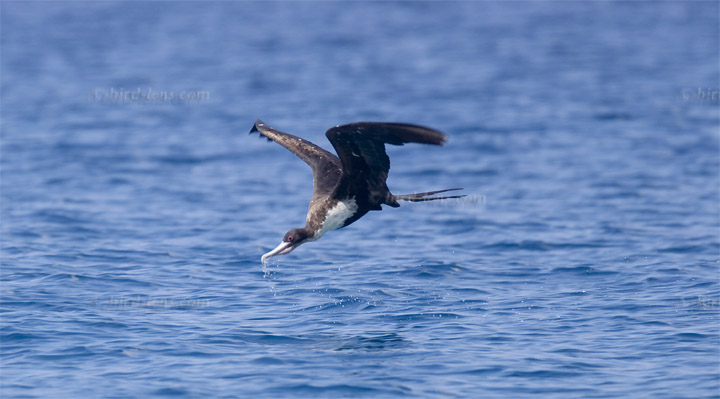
483	371
70	353
530	245
685	249
267	361
613	116
691	336
171	392
542	374
19	337
433	270
270	339
338	390
341	302
582	269
425	316
369	343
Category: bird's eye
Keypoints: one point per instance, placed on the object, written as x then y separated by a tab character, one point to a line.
290	238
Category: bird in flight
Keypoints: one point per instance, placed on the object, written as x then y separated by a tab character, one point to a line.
347	186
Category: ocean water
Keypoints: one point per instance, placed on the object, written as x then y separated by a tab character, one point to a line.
584	262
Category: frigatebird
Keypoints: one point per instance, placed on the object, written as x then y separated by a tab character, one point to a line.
347	186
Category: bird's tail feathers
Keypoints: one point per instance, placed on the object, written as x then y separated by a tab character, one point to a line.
420	197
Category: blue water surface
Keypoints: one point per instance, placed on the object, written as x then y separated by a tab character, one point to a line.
583	264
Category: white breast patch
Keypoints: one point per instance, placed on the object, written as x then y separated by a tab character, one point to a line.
337	216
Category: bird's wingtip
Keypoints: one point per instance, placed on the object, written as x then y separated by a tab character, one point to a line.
257	123
443	139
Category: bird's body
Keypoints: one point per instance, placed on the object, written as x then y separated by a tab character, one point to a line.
347	186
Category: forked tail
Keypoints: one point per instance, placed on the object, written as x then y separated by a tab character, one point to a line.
419	197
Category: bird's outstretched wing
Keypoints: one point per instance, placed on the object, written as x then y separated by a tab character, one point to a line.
361	148
326	167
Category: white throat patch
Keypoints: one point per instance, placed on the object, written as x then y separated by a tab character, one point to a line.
337	216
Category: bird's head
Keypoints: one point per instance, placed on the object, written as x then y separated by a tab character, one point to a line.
292	239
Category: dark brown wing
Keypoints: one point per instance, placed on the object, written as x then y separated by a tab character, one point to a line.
326	167
365	164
